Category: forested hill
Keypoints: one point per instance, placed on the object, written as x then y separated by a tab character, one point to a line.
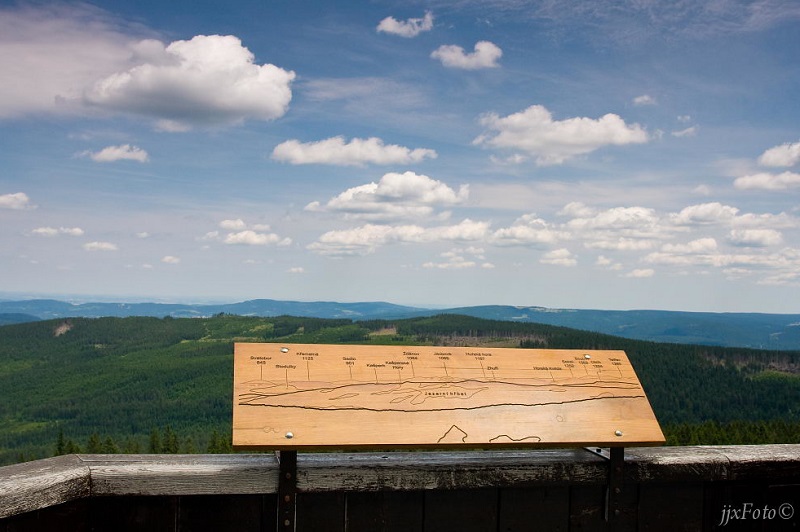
760	331
125	379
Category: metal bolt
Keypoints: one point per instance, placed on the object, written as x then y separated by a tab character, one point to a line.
289	435
284	349
587	356
287	522
618	432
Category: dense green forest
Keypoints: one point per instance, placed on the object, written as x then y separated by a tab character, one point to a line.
165	385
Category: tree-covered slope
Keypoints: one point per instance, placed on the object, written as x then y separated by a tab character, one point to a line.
123	377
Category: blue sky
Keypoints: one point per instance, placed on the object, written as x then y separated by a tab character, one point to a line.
587	154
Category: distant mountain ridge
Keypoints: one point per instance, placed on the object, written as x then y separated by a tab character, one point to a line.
762	331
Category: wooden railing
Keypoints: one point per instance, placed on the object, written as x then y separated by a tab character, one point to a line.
664	488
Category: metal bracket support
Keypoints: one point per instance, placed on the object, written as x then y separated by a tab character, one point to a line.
287	491
616	479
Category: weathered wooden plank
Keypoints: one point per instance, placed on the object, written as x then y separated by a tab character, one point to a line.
532	509
446	470
320	512
752	505
587	508
34	485
74	516
774	461
224	513
385	511
675	464
677	506
47	483
182	474
461	510
134	513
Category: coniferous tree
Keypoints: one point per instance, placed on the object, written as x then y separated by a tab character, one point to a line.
93	445
155	442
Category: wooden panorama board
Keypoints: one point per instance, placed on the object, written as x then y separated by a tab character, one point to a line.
296	396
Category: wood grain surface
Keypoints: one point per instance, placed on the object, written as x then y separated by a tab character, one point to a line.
303	396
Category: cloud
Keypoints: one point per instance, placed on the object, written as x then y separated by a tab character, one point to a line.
755	237
408	28
52	231
296	269
768	181
528	230
704	213
784	155
210	80
688	132
624	221
357	152
100	246
51	51
633	23
118	153
607	263
366	239
486	55
556	141
395	196
457	259
698	246
642	273
169	259
233	225
18	201
559	257
253	238
644	99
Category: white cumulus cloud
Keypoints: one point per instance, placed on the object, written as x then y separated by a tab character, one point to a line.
233	225
688	132
356	152
367	238
705	213
641	273
644	99
485	55
528	230
17	201
52	231
253	238
559	257
210	80
170	259
100	246
51	51
124	152
395	196
755	237
768	181
787	154
406	28
556	141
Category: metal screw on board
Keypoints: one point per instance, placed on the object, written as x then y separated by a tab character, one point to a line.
284	349
587	357
618	433
289	435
